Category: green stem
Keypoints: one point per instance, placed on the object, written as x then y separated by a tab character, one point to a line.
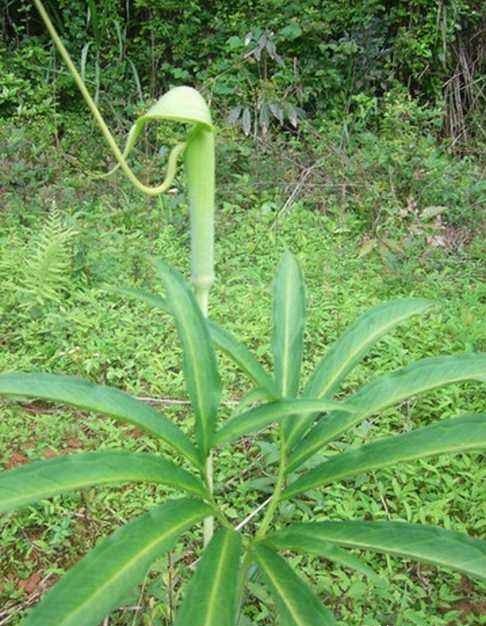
267	519
199	164
202	297
151	191
272	507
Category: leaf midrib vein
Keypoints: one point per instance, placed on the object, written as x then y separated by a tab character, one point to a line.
215	585
198	383
412	457
396	550
286	346
369	410
285	600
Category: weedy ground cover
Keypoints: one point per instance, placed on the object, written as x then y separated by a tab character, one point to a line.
92	332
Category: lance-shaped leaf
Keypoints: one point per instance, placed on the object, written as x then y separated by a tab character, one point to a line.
288	325
296	603
102	579
387	390
86	395
153	299
211	597
240	354
260	416
220	337
352	346
199	361
459	434
288	330
44	479
357	340
444	548
318	547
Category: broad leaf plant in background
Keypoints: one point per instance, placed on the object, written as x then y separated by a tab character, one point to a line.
306	416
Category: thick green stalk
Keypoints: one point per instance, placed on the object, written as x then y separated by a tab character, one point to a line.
199	164
200	172
202	295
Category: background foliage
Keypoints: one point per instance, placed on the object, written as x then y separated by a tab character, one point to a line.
279	60
330	95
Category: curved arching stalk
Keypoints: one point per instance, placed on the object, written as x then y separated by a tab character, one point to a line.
174	154
183	105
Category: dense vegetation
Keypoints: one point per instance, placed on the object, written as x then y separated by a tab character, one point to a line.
276	60
349	134
360	104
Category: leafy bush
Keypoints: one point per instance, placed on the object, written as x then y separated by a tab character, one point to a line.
318	57
25	91
407	172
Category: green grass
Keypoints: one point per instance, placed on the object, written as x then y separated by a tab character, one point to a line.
87	330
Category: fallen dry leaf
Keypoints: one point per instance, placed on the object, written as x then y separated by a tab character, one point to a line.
15	460
30	584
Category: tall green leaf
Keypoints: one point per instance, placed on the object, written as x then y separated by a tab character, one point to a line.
260	416
288	331
220	337
102	579
296	603
459	434
240	354
288	325
445	548
44	479
211	597
199	361
317	546
358	338
86	395
387	390
350	348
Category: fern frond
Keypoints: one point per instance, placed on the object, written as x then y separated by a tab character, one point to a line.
45	275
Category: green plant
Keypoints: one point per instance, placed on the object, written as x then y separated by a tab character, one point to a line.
260	99
45	271
99	581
